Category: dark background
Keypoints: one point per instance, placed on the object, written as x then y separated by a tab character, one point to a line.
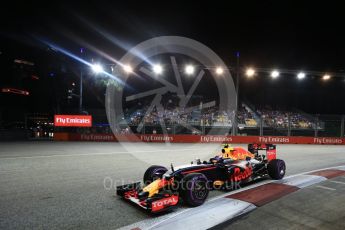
289	36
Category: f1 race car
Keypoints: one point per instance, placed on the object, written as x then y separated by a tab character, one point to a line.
164	188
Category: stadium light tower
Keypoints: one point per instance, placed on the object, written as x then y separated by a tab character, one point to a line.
81	92
96	68
81	85
235	123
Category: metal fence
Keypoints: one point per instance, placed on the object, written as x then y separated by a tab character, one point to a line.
38	127
323	126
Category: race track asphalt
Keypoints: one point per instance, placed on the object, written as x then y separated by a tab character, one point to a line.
316	207
70	185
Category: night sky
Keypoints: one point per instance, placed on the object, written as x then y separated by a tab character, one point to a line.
289	35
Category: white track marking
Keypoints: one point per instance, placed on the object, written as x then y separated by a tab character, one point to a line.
337	182
342	167
207	215
324	187
302	181
203	217
95	154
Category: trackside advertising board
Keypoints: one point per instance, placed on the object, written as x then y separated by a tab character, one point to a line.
198	139
73	120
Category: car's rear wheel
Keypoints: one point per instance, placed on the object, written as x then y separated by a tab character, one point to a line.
194	189
276	169
153	173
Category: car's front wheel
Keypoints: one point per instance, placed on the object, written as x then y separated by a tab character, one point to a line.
194	189
153	173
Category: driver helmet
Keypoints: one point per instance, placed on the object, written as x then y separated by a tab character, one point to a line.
227	151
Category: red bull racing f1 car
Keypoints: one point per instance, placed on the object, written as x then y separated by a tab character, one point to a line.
163	188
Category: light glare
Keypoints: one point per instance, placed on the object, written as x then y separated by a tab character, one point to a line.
97	68
250	72
158	69
326	77
127	68
301	75
219	71
275	74
189	69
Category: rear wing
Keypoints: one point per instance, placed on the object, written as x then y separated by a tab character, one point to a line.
271	151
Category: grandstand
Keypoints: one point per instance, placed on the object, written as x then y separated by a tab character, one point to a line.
203	119
249	118
213	117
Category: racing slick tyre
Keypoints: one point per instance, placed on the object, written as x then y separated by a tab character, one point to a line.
154	172
194	189
276	169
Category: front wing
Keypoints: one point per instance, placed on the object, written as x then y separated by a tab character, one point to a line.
157	203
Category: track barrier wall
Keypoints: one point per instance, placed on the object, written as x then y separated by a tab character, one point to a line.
197	139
